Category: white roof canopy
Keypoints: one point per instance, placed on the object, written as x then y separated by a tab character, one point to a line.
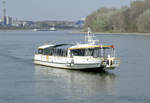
45	46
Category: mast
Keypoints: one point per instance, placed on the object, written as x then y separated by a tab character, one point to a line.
90	37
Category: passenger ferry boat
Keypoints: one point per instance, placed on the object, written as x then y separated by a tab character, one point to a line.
89	55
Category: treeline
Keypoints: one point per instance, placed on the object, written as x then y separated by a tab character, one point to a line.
57	24
135	18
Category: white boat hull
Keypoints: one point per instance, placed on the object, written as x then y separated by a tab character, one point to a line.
68	63
67	66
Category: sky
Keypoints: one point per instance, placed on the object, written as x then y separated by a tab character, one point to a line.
56	9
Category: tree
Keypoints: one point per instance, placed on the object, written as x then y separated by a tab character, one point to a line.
143	22
99	21
120	20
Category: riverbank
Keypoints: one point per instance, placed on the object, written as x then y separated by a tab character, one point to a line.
108	33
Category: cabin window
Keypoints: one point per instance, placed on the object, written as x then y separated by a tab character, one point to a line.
40	51
47	51
78	52
95	52
59	52
107	52
89	52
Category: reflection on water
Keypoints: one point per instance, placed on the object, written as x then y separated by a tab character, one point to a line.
75	84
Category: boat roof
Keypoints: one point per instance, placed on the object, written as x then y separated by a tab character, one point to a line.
45	46
54	46
78	46
85	46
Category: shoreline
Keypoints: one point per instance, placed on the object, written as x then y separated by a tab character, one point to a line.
107	33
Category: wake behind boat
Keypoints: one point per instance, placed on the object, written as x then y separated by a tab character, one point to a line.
79	56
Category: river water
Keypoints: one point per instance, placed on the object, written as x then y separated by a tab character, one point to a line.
23	82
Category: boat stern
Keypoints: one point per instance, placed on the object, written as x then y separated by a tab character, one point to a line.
111	63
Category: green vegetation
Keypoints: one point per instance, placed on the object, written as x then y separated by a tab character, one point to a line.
135	18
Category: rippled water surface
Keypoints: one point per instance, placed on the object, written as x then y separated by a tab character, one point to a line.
23	82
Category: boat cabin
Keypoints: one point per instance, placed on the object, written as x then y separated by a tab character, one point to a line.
67	50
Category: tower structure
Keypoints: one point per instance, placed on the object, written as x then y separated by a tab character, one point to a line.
4	19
